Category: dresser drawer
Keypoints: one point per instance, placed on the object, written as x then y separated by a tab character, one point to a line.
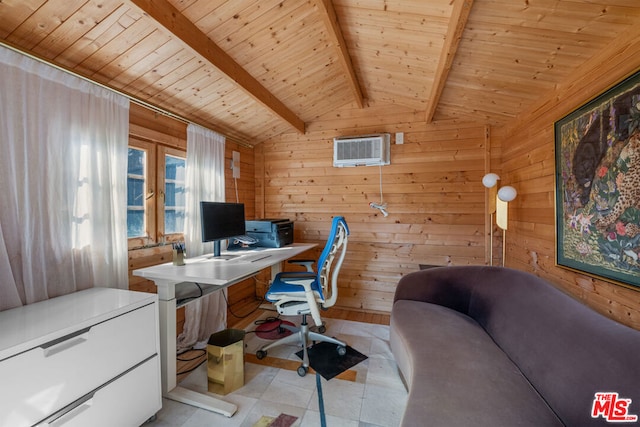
40	381
106	407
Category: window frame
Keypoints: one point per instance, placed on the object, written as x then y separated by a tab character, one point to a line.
162	152
150	194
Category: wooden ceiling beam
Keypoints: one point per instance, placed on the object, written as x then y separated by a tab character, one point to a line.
457	23
328	13
169	17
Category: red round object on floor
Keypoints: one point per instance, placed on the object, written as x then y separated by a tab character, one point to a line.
271	330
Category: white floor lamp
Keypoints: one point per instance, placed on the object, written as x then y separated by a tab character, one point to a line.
498	204
490	180
505	195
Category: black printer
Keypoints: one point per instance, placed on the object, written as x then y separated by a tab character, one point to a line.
270	233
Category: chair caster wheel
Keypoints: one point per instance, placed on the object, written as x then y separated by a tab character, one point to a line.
261	354
322	329
342	350
302	371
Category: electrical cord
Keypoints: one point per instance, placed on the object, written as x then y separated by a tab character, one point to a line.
183	300
235	180
203	353
267	320
382	206
257	322
245	315
192	369
381	198
193	358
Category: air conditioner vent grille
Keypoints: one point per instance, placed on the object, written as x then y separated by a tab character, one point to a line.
361	149
368	150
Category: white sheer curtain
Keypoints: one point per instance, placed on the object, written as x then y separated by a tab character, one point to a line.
204	181
63	183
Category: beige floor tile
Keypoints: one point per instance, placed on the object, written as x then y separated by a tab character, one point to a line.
375	399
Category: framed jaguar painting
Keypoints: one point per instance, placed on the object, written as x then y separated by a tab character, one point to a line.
597	149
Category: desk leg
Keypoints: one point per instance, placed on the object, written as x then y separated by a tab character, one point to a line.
275	269
167	314
168	344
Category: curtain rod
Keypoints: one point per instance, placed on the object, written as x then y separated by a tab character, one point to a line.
132	98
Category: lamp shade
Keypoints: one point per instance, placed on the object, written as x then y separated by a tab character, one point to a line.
507	193
490	180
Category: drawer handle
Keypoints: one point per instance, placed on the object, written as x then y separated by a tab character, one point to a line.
66	342
69	413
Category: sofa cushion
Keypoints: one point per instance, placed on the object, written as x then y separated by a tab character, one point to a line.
566	350
456	374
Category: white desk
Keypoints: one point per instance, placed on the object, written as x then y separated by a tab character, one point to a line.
211	274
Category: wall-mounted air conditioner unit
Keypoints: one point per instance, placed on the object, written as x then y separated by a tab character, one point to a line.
366	150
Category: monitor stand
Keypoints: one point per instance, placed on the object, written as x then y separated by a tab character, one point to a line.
216	253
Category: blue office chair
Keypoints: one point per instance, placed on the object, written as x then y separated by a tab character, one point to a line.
303	293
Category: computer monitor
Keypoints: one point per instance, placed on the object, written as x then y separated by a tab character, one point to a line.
221	221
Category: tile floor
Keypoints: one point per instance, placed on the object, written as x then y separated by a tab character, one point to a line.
376	399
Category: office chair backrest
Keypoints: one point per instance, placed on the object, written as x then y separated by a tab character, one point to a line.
328	264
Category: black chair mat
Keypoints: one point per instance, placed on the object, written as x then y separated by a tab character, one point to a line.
325	360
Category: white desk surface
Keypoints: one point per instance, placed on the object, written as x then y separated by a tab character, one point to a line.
220	271
211	274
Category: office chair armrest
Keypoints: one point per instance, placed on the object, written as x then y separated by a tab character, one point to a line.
308	263
288	276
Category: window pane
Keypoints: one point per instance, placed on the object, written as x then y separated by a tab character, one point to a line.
137	160
135	192
135	223
174	194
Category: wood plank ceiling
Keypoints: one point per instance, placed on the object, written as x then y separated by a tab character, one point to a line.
256	69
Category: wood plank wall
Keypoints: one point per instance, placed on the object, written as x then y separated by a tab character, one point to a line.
529	165
159	128
435	198
436	201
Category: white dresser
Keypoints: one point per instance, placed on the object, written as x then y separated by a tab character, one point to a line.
90	358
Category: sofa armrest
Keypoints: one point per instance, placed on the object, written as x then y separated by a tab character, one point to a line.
449	287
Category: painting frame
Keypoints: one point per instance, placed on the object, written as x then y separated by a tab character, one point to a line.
597	167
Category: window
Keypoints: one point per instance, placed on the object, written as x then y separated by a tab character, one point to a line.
136	192
173	166
155	193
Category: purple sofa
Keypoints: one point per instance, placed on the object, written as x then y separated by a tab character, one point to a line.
491	346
